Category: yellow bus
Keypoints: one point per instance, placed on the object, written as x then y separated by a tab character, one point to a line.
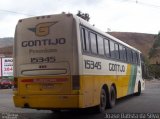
63	62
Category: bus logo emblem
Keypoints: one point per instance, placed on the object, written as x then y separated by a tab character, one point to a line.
42	29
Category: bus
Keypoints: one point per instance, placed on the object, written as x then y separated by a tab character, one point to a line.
63	62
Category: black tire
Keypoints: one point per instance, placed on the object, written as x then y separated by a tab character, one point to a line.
103	102
111	97
139	89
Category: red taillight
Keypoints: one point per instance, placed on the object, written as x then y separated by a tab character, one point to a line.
75	82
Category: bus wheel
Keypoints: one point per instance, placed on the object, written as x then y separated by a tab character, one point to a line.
139	89
103	102
112	98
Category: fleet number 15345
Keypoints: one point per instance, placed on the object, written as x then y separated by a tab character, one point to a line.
89	64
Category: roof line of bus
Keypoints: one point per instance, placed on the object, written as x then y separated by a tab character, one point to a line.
87	24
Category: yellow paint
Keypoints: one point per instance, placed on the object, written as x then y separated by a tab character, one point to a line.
89	94
126	81
47	101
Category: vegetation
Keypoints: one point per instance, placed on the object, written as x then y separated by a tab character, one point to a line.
154	51
154	69
84	16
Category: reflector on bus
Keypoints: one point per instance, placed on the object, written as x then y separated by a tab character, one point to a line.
43	72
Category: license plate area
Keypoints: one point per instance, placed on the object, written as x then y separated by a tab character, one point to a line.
47	86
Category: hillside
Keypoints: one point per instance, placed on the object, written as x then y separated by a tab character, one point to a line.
141	41
5	42
6	47
6	51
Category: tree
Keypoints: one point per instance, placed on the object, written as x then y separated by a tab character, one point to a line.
156	45
154	69
84	16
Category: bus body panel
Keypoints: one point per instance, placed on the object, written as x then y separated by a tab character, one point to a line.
45	62
125	76
47	101
41	42
53	72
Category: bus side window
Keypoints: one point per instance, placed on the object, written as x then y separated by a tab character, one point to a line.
134	57
121	52
112	51
85	40
133	53
106	46
129	55
93	40
116	47
143	66
139	58
124	54
100	45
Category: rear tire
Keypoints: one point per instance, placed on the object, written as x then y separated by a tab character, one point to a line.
139	89
112	98
103	102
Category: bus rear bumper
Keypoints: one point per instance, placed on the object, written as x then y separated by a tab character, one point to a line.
47	101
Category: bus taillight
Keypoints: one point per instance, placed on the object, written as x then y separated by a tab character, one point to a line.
75	82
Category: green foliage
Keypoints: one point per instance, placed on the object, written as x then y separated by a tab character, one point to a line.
150	71
156	43
153	51
84	16
154	71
